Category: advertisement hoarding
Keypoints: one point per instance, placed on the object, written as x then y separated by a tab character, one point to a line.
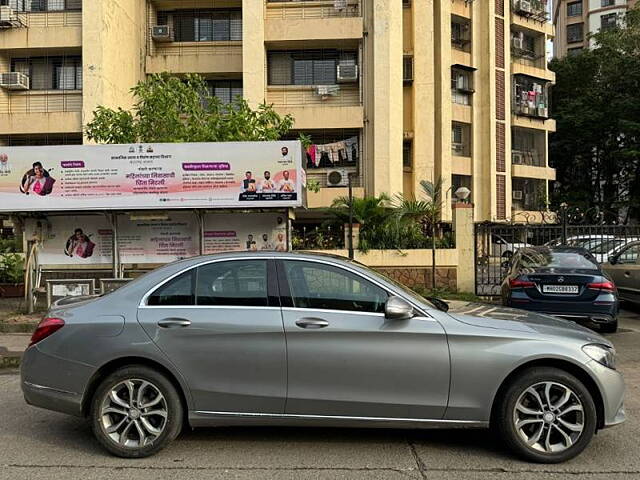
162	176
77	240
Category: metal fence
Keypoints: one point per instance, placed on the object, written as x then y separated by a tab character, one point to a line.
495	243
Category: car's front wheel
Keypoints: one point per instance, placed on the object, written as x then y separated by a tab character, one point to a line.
136	412
546	415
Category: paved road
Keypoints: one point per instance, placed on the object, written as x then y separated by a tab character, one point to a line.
36	444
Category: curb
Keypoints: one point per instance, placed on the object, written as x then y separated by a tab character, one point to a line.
17	327
10	360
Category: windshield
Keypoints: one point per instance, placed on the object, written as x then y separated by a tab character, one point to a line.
551	259
606	247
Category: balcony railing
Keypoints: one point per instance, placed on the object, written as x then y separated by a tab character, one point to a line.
312	9
52	19
531	158
44	101
223	48
309	95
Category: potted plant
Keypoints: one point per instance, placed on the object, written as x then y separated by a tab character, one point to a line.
11	275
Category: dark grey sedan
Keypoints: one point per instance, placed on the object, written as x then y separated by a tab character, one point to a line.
566	282
310	340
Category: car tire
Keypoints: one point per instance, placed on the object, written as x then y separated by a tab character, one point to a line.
138	425
611	327
545	439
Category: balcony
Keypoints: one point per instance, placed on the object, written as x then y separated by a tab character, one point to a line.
333	106
528	194
530	97
533	9
41	112
313	20
196	57
53	29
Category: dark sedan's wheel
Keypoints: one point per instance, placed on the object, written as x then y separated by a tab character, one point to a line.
611	327
546	415
136	412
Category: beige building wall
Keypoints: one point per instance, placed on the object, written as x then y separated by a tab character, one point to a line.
118	51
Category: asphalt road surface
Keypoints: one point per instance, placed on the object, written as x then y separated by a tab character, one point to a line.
36	444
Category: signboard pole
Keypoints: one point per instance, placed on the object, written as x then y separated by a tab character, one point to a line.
200	217
115	255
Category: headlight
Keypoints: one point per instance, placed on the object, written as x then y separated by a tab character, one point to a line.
601	354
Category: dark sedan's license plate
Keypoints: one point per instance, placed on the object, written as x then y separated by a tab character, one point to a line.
559	289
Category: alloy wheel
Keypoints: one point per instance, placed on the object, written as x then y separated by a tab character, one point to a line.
134	413
549	417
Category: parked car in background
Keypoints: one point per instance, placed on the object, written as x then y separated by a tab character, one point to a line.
624	268
609	248
502	247
579	241
565	282
258	338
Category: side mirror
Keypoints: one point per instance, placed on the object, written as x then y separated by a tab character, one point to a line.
613	259
397	308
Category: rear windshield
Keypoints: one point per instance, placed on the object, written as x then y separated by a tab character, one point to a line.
550	259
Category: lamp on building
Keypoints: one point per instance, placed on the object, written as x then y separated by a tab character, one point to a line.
462	194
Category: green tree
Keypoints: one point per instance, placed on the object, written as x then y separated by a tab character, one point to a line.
424	211
173	110
596	148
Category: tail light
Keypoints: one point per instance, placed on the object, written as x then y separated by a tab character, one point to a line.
46	327
608	286
518	283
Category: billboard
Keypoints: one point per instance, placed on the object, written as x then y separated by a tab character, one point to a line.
77	240
161	175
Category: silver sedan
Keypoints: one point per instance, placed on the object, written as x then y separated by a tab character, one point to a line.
313	340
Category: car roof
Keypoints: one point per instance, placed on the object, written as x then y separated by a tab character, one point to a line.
563	249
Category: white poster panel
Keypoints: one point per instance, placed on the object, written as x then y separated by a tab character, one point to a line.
165	240
245	231
72	239
161	175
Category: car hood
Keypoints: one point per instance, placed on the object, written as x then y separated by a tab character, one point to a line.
503	318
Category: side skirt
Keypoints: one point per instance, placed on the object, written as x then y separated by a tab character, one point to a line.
201	418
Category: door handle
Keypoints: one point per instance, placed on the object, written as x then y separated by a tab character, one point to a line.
312	323
627	274
174	322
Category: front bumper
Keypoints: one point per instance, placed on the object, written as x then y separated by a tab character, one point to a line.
611	385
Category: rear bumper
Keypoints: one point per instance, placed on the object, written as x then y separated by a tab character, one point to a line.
604	312
53	383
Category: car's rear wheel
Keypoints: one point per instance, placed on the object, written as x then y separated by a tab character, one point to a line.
136	412
546	415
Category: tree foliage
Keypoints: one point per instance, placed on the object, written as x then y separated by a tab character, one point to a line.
596	148
173	110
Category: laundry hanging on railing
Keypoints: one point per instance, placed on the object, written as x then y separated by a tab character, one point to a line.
330	155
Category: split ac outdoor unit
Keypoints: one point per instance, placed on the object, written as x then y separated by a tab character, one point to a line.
525	6
517	41
461	83
162	33
340	4
14	81
543	112
517	194
8	17
327	90
517	158
347	73
338	178
457	147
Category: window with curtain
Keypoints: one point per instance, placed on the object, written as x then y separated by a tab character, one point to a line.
306	67
205	25
51	73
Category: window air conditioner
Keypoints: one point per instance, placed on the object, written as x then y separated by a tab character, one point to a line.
347	73
517	41
162	33
517	194
457	148
14	81
461	83
338	178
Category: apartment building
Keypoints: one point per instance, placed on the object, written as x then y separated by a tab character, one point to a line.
576	20
391	92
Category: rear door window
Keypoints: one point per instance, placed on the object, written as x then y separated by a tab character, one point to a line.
178	291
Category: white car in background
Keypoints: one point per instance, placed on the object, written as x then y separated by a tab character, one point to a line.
585	241
610	247
501	247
